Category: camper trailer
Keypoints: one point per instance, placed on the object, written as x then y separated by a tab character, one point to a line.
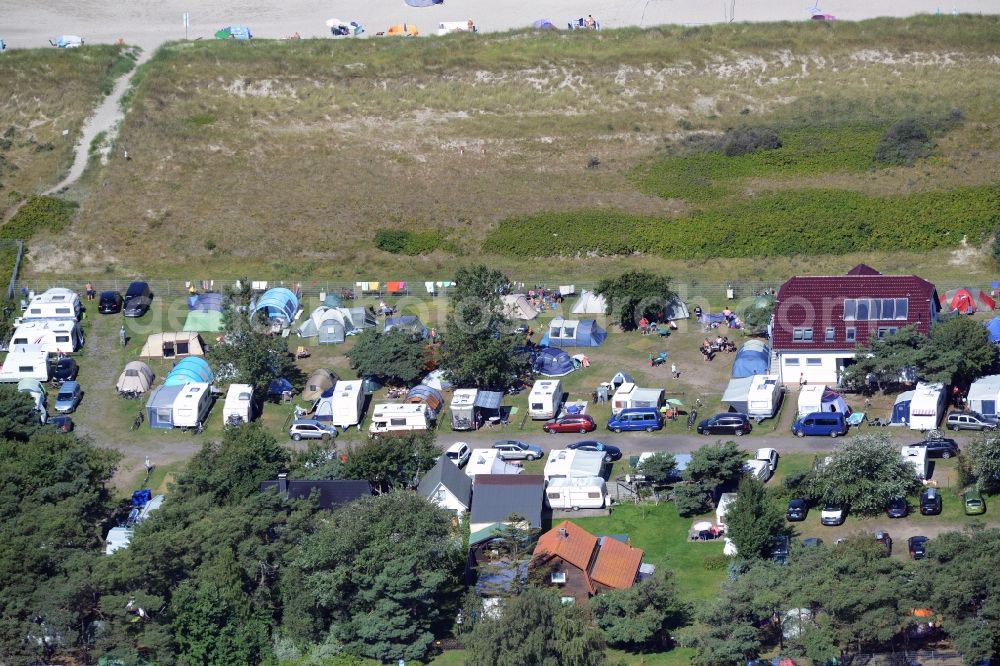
389	419
463	409
917	456
192	405
764	396
56	303
25	362
343	405
566	463
545	399
818	398
238	407
53	335
579	492
927	406
629	395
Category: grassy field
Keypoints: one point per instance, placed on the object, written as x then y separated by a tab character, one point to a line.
48	92
308	148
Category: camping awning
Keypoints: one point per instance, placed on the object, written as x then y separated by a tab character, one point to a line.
488	400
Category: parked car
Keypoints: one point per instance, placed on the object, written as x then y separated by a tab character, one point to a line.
60	423
137	300
512	449
779	551
770	456
459	453
973	501
797	510
580	423
611	453
930	502
823	424
68	397
969	421
110	302
883	538
917	545
898	508
64	369
725	424
311	429
812	542
832	514
634	419
939	448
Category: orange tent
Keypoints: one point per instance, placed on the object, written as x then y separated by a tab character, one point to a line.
402	29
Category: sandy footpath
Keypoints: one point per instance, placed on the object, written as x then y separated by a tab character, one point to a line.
30	23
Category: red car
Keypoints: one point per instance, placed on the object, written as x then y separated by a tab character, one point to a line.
575	423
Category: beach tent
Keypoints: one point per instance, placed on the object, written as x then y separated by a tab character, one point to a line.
405	323
278	303
675	309
279	388
208	321
590	303
319	381
993	326
552	362
573	333
753	358
340	28
136	377
191	370
423	3
712	318
543	24
172	345
423	394
516	306
207	301
901	409
233	32
966	301
402	30
67	41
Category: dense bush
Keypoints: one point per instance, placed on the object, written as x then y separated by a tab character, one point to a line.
745	140
806	222
39	213
904	143
411	243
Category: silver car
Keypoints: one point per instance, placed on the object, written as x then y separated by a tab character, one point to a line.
512	449
311	429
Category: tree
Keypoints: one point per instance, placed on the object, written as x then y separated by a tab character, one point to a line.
634	295
535	629
866	472
958	352
393	462
984	458
233	469
658	469
479	346
711	466
885	360
691	499
753	520
396	357
757	315
18	419
391	610
642	616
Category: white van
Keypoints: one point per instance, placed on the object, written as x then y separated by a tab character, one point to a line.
56	303
25	362
545	399
238	405
192	405
393	418
54	336
580	492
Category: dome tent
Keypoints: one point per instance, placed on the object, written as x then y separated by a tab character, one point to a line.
278	303
993	326
135	378
753	358
319	381
190	370
552	362
966	301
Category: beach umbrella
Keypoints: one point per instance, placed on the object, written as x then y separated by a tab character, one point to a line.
675	402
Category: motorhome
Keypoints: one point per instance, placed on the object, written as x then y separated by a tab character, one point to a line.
192	404
545	399
630	396
343	405
56	303
566	463
394	418
580	492
927	406
238	407
916	456
489	461
54	335
25	362
463	409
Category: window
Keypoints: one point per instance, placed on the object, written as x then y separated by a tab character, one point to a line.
25	368
830	334
814	362
164	414
902	308
593	495
567	601
850	334
875	311
182	347
569	332
863	309
558	578
20	341
397	422
888	308
35	311
886	331
62	310
802	335
792	361
439	495
62	338
850	309
553	495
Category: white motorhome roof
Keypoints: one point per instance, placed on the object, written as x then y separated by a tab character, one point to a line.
464	398
624	390
347	388
398	408
57	325
192	393
544	387
568	462
238	394
761	384
28	352
926	398
646	394
118	538
487	461
56	295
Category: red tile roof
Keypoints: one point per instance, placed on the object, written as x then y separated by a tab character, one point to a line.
617	564
606	561
817	302
568	542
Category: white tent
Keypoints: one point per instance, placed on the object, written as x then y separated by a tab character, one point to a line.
516	306
136	377
590	303
173	345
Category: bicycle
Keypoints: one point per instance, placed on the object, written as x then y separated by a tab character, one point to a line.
139	418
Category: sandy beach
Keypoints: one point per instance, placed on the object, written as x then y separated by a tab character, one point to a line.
149	23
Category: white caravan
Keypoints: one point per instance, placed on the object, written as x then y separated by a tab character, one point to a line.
463	409
489	461
927	406
545	399
395	418
238	405
56	303
343	405
25	362
192	405
53	335
916	456
629	395
580	492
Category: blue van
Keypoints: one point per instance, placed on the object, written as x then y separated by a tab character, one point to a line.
636	418
829	424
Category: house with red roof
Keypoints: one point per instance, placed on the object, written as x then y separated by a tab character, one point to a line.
582	565
819	319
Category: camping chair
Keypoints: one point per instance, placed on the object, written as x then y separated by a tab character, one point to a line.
302	352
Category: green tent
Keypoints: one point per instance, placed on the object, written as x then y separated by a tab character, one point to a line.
223	34
209	321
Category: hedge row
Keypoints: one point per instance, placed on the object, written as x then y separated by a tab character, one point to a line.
410	243
804	222
37	214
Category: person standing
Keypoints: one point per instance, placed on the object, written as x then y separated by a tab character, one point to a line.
674	371
802	380
121	335
89	288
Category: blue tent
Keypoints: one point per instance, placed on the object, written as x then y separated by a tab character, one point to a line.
552	362
573	333
405	323
544	24
901	409
278	387
993	326
208	301
278	303
753	358
188	370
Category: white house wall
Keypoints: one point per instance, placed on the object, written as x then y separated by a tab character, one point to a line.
815	367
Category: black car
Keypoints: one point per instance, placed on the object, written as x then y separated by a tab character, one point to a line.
941	447
138	298
779	551
797	510
917	546
64	370
930	502
60	423
611	453
725	424
898	508
110	302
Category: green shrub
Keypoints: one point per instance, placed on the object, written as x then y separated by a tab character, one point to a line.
715	562
904	143
410	243
745	140
995	246
39	213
